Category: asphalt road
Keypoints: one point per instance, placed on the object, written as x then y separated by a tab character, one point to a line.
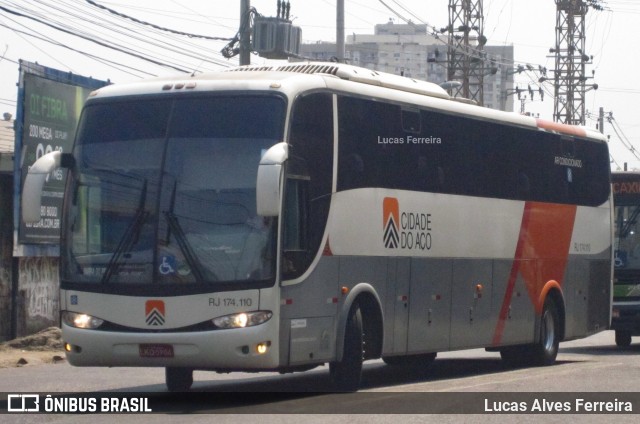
465	381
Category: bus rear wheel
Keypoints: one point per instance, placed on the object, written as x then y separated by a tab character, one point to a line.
178	379
623	338
545	350
346	373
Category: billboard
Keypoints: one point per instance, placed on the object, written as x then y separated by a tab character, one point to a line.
49	105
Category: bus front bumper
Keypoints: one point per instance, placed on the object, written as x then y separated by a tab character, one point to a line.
253	348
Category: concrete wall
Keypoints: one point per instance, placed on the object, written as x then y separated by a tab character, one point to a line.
5	302
38	294
37	304
6	253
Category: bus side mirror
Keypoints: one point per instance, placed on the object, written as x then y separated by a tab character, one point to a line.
269	183
34	182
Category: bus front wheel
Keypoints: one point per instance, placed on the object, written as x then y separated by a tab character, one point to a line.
346	373
178	379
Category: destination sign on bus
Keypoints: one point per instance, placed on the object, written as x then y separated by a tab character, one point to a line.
626	187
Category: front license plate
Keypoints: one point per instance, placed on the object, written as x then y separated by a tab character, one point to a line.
156	351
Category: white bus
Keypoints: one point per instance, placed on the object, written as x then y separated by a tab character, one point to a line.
279	218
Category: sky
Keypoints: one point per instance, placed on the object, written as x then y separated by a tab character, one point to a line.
83	38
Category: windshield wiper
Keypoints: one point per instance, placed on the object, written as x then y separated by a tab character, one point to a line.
130	236
185	247
631	221
181	238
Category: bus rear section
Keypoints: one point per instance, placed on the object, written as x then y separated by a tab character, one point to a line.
449	227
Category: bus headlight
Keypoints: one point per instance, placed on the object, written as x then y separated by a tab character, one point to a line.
77	320
243	319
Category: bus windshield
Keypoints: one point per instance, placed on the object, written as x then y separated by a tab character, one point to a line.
163	191
627	237
627	252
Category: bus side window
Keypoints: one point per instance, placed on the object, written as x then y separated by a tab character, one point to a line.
353	171
295	227
523	185
309	178
411	120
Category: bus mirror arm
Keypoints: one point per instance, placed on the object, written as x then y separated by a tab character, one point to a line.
269	182
34	182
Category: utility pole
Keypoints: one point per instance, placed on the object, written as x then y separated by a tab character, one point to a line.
601	121
340	31
466	48
570	61
522	97
245	32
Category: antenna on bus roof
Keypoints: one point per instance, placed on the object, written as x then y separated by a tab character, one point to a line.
193	74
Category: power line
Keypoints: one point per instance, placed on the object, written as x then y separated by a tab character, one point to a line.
89	55
8	102
13	12
93	40
480	54
532	73
623	138
127	33
18	33
72	19
122	15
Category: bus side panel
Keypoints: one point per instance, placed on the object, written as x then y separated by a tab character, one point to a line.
586	298
587	283
309	310
471	323
378	272
599	304
575	290
519	309
430	308
397	301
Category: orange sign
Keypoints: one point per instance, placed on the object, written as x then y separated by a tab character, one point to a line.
154	312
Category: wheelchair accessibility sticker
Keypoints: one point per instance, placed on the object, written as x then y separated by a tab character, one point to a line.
167	265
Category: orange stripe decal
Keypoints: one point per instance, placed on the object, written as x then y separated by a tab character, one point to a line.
541	254
513	275
561	128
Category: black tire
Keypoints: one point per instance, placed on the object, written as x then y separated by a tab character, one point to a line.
545	350
178	379
346	374
623	338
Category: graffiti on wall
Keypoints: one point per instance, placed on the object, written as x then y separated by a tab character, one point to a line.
40	282
5	281
5	303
